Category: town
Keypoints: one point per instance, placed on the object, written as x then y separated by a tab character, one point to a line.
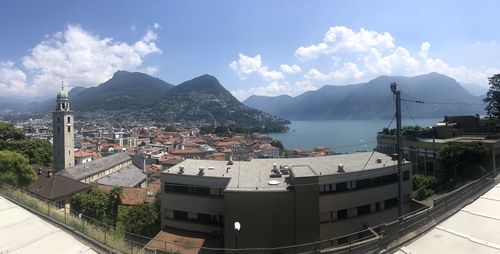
249	127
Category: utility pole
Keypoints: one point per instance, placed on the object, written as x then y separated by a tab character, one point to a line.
397	93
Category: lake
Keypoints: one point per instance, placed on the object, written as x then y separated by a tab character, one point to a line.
341	136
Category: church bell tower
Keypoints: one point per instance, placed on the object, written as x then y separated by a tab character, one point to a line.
63	133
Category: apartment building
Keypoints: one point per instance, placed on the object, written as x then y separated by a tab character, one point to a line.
282	202
422	149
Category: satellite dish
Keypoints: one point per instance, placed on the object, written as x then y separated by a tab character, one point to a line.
273	182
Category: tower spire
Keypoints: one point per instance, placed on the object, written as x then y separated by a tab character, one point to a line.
62	84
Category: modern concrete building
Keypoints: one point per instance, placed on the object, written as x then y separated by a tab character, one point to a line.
422	149
282	202
62	128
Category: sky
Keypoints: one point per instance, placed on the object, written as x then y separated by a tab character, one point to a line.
263	47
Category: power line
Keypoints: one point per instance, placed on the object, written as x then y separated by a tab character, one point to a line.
443	103
409	112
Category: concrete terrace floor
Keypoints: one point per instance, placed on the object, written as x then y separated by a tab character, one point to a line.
24	232
473	229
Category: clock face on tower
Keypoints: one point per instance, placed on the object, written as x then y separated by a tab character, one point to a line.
63	133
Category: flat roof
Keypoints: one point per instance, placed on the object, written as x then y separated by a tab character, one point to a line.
473	229
129	176
85	170
255	175
24	232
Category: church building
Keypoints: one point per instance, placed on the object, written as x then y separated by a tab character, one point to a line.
63	133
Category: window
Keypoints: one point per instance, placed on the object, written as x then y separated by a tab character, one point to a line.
391	203
58	120
204	218
69	128
193	190
377	206
58	129
69	119
180	215
364	209
342	214
60	204
363	184
341	187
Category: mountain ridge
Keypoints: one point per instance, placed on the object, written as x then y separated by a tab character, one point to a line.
373	100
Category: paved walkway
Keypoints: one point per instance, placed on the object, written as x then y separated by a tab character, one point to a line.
474	229
24	232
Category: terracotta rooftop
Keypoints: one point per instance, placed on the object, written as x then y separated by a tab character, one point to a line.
130	196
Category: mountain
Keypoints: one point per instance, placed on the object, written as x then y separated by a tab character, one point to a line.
204	99
373	100
125	90
475	89
138	96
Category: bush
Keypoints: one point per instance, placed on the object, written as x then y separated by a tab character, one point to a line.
424	186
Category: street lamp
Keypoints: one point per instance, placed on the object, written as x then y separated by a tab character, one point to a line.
237	227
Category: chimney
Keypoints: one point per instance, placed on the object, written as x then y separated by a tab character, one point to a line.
181	169
201	171
379	160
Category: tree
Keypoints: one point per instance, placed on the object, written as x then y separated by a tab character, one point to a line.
15	169
278	144
492	99
115	199
94	204
12	139
142	220
460	162
8	131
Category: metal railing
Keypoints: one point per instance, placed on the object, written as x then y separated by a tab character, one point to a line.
382	238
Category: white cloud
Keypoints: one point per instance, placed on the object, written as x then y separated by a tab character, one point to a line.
78	57
292	69
12	80
312	51
342	40
246	66
379	56
156	25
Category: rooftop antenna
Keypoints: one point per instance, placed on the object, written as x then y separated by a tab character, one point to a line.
239	168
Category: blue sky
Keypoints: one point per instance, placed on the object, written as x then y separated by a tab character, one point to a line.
263	47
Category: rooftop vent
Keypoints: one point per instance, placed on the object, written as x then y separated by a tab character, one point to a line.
211	168
394	156
340	168
181	169
275	166
201	171
379	160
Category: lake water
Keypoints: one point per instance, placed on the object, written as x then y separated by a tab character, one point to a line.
342	136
